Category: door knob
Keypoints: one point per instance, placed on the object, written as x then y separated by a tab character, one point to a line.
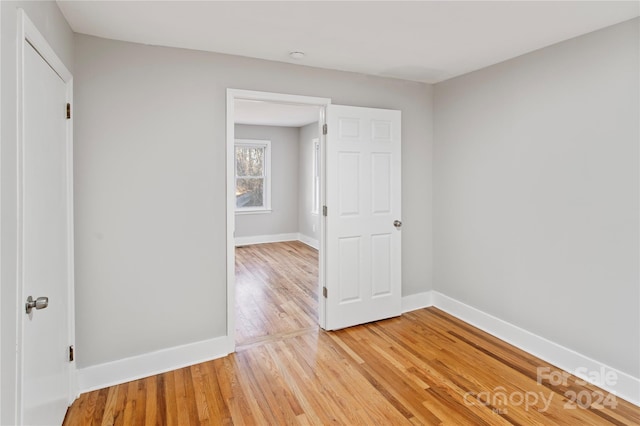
39	303
397	224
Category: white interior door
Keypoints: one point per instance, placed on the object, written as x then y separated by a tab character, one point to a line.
363	246
45	242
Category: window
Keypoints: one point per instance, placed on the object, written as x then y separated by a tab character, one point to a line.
253	177
315	203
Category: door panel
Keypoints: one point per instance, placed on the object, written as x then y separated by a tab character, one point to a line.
363	276
381	247
349	278
349	177
381	180
45	243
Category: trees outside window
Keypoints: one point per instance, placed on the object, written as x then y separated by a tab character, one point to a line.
252	164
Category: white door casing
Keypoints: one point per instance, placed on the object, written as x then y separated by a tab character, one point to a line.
232	96
45	230
363	197
371	138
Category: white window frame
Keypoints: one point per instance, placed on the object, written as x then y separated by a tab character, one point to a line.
315	178
266	196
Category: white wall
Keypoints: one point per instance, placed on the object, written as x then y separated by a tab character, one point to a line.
308	223
150	186
536	193
49	20
283	218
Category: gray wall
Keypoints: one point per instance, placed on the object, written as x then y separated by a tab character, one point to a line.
49	20
306	220
150	186
283	218
536	193
536	184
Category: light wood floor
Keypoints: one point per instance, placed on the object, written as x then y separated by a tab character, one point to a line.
424	367
276	290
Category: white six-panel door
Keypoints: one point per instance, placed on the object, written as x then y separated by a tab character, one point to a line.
363	196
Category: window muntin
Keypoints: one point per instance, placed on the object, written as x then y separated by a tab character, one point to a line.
252	175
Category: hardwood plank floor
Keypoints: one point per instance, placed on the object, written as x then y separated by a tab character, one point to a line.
424	367
276	290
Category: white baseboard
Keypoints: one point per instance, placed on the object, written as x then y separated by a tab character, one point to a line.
277	238
416	301
150	364
263	239
311	242
626	386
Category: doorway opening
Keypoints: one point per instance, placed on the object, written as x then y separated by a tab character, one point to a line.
274	227
276	291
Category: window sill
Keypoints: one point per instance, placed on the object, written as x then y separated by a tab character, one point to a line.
263	211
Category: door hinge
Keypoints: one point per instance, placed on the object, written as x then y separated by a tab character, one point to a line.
324	292
68	111
325	129
324	210
71	353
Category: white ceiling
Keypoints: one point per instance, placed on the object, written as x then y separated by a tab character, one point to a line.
274	114
427	41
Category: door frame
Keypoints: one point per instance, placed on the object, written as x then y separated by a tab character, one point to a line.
232	95
28	33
